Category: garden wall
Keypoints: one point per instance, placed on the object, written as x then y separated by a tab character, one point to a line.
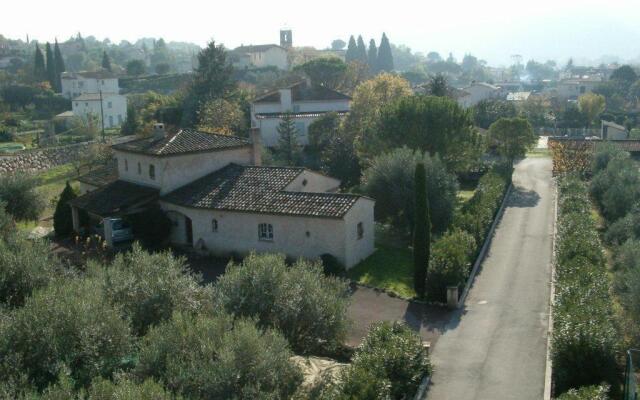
40	159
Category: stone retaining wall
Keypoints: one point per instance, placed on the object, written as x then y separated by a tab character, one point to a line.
40	159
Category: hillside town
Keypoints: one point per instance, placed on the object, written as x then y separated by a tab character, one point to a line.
281	221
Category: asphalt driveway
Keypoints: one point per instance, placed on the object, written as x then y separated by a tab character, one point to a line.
495	347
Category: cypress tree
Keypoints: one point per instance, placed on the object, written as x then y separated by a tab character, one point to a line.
289	150
62	218
131	124
51	68
106	61
373	56
385	58
352	51
362	50
421	232
39	69
60	67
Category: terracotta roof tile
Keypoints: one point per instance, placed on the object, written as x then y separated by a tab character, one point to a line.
259	190
302	92
101	176
115	198
184	141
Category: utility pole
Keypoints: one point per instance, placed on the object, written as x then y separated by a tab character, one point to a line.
102	116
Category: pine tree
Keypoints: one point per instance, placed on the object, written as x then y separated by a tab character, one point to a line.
51	68
39	69
421	232
131	124
288	150
373	57
362	50
62	217
106	61
385	58
60	67
352	51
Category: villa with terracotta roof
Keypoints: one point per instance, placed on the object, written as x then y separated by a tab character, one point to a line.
220	198
304	101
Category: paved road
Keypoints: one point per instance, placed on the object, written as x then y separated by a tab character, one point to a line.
495	348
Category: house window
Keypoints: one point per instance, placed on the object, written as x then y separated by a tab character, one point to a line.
214	225
296	108
152	172
360	230
126	165
139	169
265	232
110	104
86	104
110	121
77	104
300	128
120	119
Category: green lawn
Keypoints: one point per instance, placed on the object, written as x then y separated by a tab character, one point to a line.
10	147
51	183
387	268
539	153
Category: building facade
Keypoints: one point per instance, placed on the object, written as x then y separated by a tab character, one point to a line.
220	199
112	105
75	84
303	101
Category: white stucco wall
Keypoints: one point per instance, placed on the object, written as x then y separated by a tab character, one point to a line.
173	172
275	56
114	108
477	93
314	182
574	89
238	233
75	87
357	249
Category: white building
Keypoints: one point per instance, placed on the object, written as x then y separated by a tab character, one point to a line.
476	92
575	87
114	107
260	56
304	101
221	200
75	84
612	131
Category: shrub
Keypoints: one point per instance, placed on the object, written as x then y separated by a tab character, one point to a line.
604	154
389	364
148	288
298	300
616	189
390	181
66	325
62	216
127	389
211	358
584	341
18	192
587	393
624	229
450	263
25	265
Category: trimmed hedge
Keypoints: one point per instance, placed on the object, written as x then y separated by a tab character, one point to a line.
584	341
452	255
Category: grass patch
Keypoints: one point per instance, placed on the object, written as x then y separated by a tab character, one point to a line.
51	183
387	268
539	153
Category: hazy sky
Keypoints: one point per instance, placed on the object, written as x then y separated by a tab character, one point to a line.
490	29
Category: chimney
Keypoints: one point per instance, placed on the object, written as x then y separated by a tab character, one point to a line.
256	150
158	130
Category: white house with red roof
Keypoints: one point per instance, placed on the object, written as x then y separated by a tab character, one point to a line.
304	101
220	198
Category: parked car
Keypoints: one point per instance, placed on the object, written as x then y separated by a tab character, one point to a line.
121	230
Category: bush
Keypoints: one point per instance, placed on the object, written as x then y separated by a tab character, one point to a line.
298	300
616	189
451	258
127	389
212	358
624	228
389	364
477	214
62	216
18	192
148	288
331	265
587	393
66	325
25	265
584	341
390	181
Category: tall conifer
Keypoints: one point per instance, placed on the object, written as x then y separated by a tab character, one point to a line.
362	50
51	68
352	51
385	58
60	67
106	61
39	69
373	57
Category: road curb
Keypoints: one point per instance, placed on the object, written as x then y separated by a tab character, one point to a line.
485	247
548	367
